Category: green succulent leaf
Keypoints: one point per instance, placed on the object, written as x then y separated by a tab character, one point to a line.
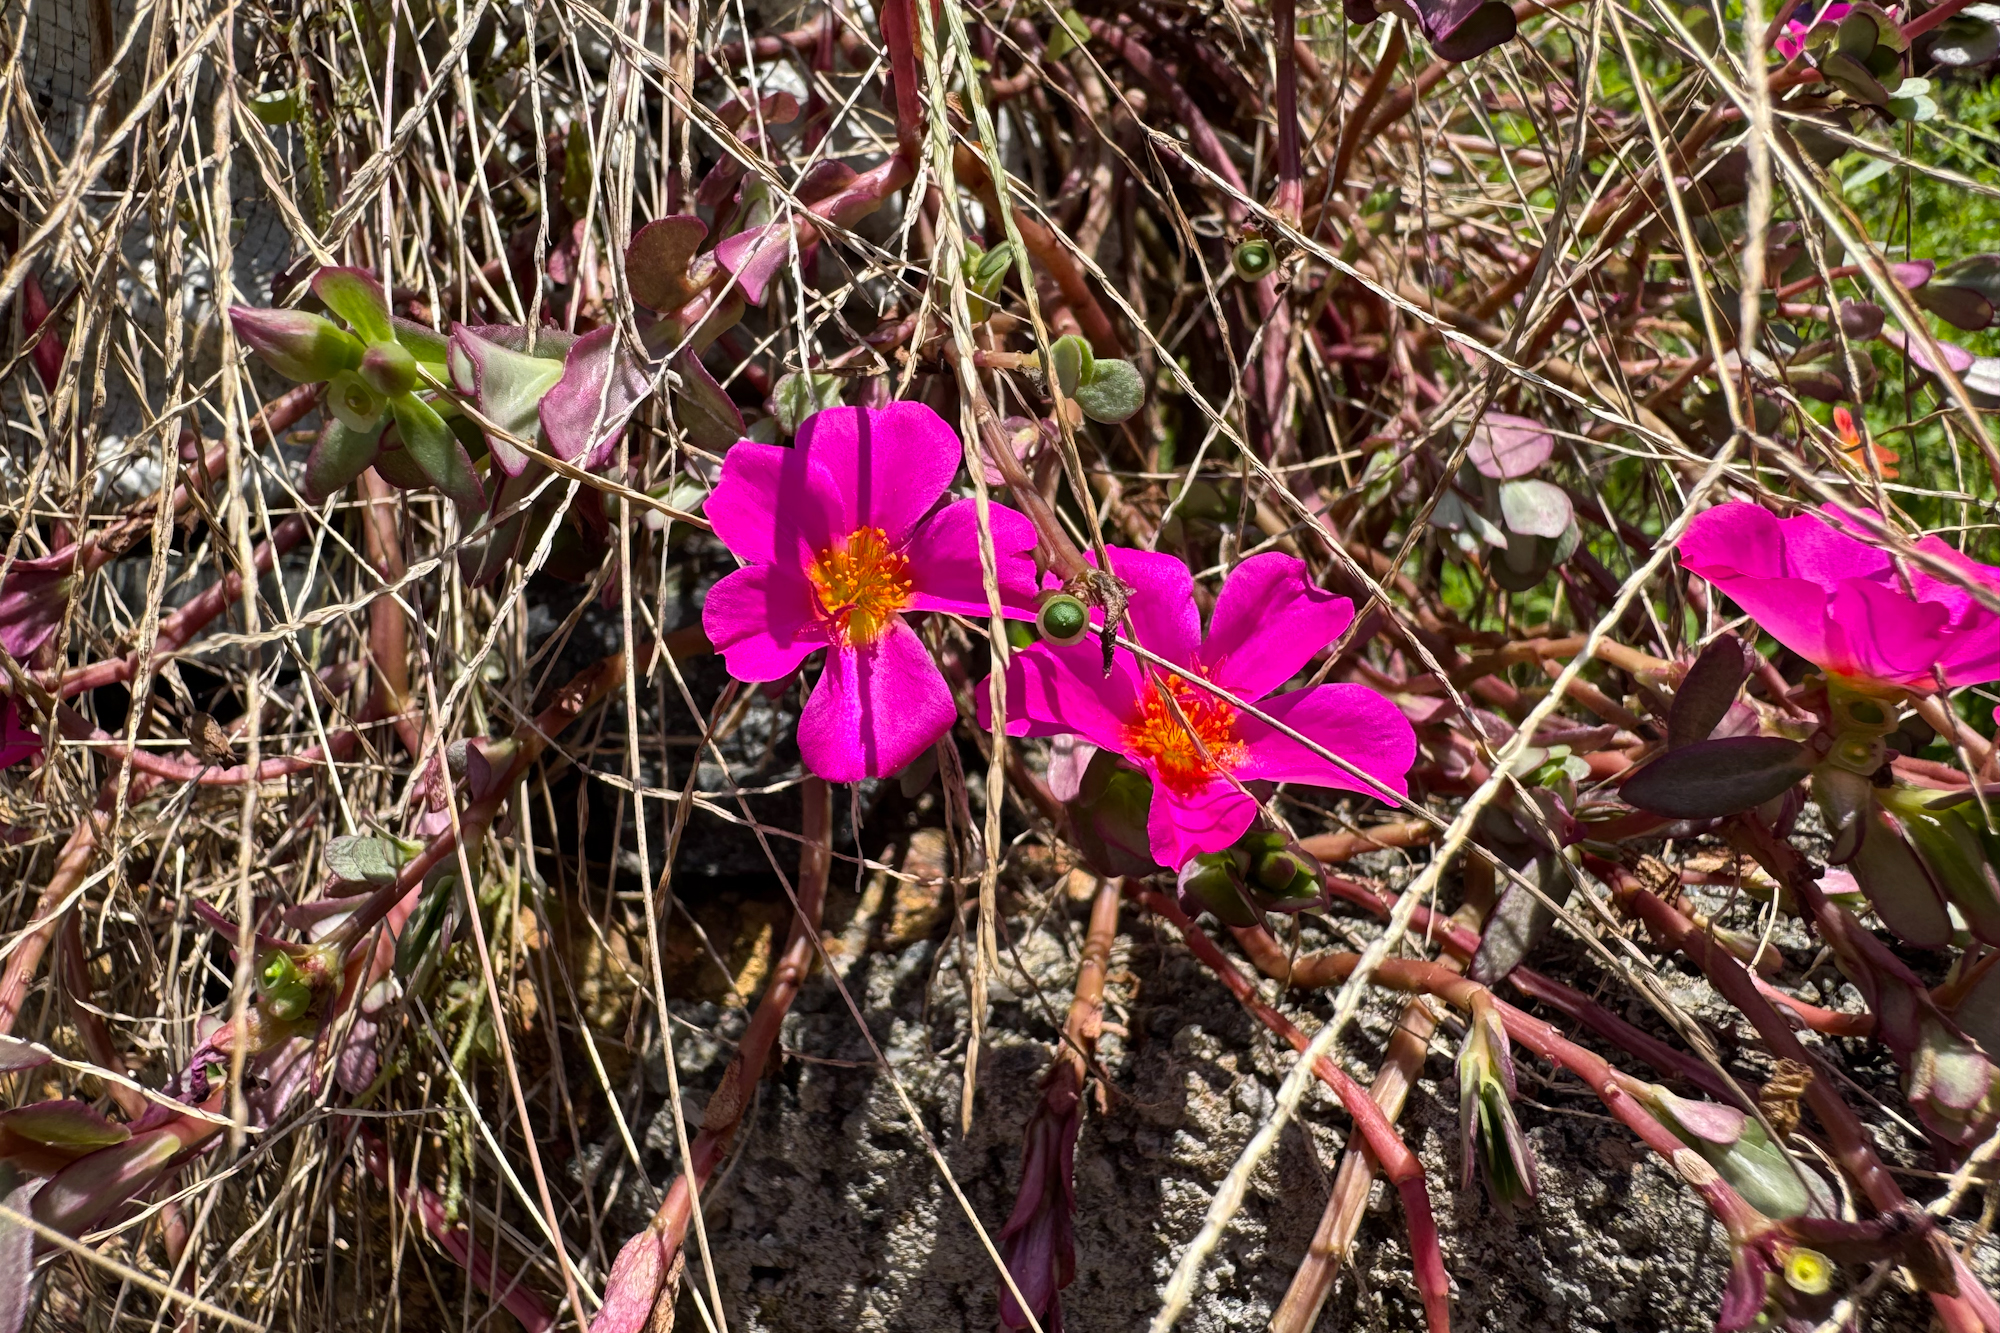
1111	391
356	297
1071	363
437	452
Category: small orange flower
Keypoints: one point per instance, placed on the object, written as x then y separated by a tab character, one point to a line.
1851	445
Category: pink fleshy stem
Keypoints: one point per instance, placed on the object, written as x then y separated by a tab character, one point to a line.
647	1258
1972	1306
1457	939
191	618
480	1265
1618	1090
388	627
1408	1050
74	966
1394	1157
72	867
75	727
1289	197
280	414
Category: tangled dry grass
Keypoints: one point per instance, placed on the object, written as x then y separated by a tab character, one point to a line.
1360	284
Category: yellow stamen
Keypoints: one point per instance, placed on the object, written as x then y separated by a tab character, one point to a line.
862	584
1155	734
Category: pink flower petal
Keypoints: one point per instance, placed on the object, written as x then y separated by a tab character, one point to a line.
1351	721
891	465
1878	633
774	506
18	740
874	710
764	620
33	599
1052	690
1162	608
1184	824
944	561
1269	621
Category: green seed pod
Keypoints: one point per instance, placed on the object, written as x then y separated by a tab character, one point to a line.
358	406
1062	619
1210	882
1253	259
1277	871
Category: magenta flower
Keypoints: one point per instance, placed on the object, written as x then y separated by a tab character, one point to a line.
1269	621
841	535
1793	39
1838	601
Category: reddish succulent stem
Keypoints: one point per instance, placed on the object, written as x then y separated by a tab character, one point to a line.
1972	1307
1613	1087
72	866
1048	251
388	627
648	1257
1289	197
480	1265
1396	1160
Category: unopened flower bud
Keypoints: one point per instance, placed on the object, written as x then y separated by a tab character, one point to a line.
1490	1137
389	369
298	345
1211	882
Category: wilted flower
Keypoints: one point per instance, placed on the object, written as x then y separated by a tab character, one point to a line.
1196	748
1490	1138
1039	1240
841	536
33	599
1839	602
18	740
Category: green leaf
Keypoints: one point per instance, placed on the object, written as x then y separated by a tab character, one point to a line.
1964	40
276	108
1070	34
1535	508
1849	75
1072	363
358	859
801	394
1111	391
339	456
1710	779
437	452
355	296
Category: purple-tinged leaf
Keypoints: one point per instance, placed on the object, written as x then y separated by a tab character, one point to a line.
633	1287
64	1124
1961	307
1519	923
660	262
1462	29
1711	1122
338	456
754	256
508	387
1707	691
77	1197
825	179
425	344
1956	358
1913	273
584	414
1893	878
16	1055
355	295
1711	779
434	449
703	410
1535	508
1504	446
1860	319
19	742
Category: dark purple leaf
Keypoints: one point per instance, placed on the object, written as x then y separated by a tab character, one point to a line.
1707	690
1710	779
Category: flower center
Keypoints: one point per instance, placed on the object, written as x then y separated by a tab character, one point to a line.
1156	735
861	584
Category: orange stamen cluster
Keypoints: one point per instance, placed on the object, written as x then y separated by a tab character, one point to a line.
1156	735
862	584
1850	443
